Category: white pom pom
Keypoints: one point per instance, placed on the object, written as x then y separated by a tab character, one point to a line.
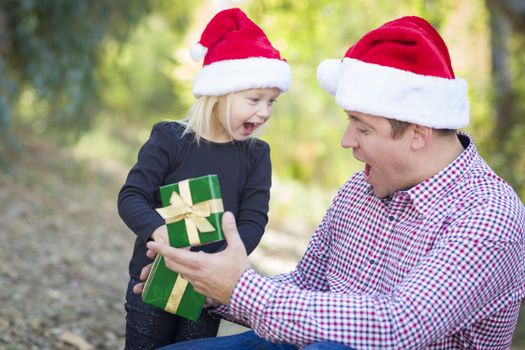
197	52
328	75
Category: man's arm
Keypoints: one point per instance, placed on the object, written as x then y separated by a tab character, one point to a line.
448	290
309	274
466	277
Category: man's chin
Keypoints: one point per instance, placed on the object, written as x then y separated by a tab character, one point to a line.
381	192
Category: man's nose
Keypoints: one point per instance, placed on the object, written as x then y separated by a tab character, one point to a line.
349	140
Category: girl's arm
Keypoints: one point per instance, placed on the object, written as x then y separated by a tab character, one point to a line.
253	206
136	199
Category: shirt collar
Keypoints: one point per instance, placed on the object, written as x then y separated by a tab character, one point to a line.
426	194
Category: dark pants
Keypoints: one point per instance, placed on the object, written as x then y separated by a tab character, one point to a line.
248	341
148	327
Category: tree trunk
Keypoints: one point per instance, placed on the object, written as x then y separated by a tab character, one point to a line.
504	104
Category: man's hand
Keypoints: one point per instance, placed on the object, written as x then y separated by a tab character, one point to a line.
137	289
214	275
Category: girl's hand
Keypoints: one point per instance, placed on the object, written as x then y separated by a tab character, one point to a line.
137	289
209	302
160	235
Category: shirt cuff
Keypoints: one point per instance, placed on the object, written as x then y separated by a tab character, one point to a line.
250	296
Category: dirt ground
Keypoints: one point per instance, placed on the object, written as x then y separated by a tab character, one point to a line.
64	252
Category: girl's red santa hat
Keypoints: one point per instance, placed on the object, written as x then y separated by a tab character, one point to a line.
401	71
237	56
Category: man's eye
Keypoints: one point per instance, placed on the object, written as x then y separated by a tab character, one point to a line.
363	131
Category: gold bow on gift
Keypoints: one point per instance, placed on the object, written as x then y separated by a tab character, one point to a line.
194	215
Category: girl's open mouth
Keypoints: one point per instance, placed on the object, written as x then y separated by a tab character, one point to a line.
249	128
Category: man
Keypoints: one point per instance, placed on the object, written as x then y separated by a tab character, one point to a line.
424	248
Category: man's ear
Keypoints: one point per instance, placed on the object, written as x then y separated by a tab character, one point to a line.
420	137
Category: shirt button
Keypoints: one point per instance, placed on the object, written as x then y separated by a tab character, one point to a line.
372	261
391	218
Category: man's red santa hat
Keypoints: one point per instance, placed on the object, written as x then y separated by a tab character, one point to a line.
401	71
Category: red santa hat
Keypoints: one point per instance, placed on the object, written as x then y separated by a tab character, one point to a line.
237	56
401	71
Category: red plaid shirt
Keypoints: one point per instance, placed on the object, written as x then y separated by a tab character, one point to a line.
441	265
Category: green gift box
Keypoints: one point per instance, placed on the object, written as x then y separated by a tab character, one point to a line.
193	210
167	290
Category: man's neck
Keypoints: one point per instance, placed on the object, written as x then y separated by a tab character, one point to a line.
439	154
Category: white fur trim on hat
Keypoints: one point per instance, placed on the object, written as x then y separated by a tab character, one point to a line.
224	77
397	94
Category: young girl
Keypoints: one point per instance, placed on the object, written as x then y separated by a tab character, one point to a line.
241	78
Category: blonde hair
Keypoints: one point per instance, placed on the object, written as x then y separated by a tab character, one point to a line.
199	120
200	116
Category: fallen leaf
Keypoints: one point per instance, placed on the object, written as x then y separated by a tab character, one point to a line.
75	340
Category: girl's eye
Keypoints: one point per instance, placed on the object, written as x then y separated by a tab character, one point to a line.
271	102
253	99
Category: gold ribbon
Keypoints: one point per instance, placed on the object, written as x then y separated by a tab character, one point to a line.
176	295
194	215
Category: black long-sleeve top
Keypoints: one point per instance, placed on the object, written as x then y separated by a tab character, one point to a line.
243	168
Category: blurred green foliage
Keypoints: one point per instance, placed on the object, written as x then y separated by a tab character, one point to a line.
504	149
68	68
66	65
50	52
138	76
